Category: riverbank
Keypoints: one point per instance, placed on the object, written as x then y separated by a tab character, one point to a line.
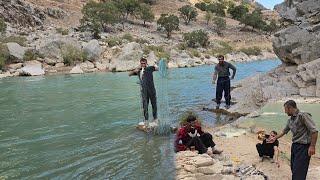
40	67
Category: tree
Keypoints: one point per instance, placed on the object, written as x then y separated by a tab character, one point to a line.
271	27
169	23
127	7
254	20
220	25
196	38
238	12
97	16
202	6
146	13
217	8
208	17
3	26
188	13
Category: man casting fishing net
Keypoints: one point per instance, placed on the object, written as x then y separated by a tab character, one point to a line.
148	91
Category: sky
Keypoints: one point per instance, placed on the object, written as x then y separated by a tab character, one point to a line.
270	3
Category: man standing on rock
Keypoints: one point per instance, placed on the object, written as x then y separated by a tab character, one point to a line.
223	84
304	139
148	91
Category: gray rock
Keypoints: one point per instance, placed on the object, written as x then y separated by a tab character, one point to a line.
309	91
15	66
93	50
128	58
101	66
76	70
32	68
56	13
16	51
58	65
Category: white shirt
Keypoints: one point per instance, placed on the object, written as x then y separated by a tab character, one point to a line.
141	73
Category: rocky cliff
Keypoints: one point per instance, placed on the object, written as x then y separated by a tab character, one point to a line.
297	46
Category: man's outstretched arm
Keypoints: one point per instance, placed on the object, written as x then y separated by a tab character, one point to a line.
134	72
234	70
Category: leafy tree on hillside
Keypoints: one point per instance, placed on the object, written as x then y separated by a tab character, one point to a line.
146	13
217	8
196	38
169	23
254	20
127	7
97	16
220	25
238	12
188	13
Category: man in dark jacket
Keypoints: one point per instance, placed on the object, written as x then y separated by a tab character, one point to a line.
223	84
148	91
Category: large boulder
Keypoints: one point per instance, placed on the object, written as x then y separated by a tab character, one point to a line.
128	58
32	68
16	51
93	50
76	70
299	42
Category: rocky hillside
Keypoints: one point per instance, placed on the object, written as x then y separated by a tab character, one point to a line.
44	35
297	47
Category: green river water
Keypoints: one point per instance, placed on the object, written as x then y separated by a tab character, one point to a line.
82	126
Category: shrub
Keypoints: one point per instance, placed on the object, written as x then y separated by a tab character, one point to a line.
30	55
128	37
254	20
169	23
4	56
194	53
222	48
141	41
208	17
255	51
72	54
62	31
202	6
217	8
238	12
22	41
158	50
113	41
3	26
220	25
196	38
188	13
182	46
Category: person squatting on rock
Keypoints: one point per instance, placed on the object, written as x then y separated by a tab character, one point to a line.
269	149
304	139
191	137
148	91
223	83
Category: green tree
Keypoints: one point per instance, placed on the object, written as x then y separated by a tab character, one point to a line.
188	13
146	13
128	7
217	8
254	20
238	12
220	25
196	38
3	26
97	16
202	6
208	17
169	23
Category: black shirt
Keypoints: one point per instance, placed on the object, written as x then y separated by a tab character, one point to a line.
269	146
146	81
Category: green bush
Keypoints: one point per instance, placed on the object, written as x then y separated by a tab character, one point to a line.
113	41
196	38
223	48
141	41
194	53
30	55
202	6
254	20
22	41
238	12
188	13
4	56
255	51
158	50
169	23
217	8
62	31
3	26
128	37
72	54
145	13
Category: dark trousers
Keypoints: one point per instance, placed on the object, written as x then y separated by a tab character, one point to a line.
146	97
263	151
201	143
223	85
299	161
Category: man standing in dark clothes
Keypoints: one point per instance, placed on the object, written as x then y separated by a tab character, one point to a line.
148	91
269	149
304	139
223	84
